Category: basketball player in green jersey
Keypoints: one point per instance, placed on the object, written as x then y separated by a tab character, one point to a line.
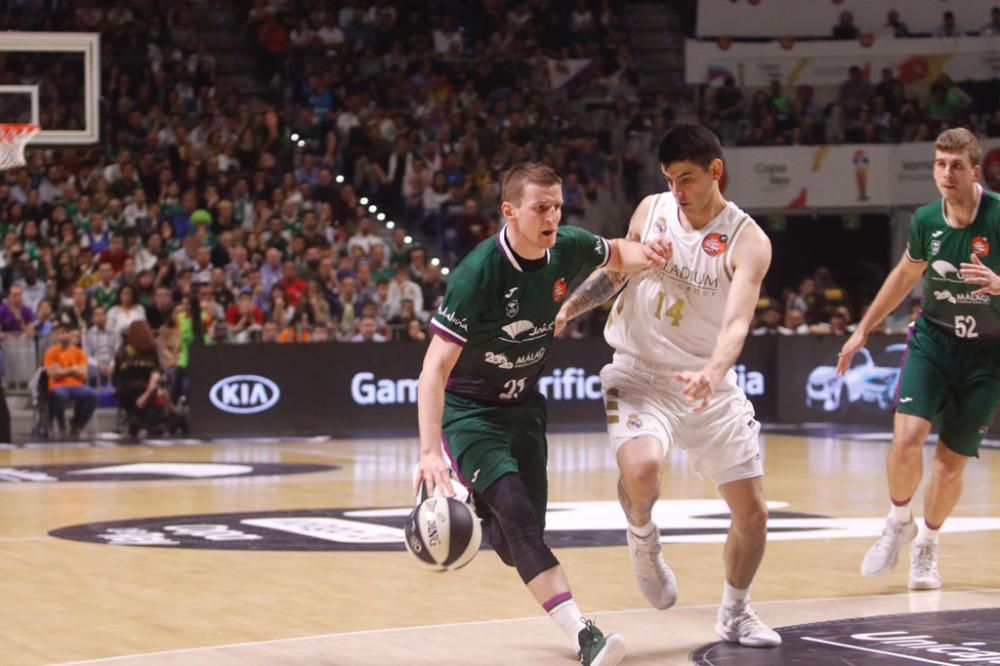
478	398
952	366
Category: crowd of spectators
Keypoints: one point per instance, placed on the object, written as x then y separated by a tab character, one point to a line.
328	207
896	27
818	305
885	109
290	217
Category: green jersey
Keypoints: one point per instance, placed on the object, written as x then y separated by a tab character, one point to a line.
948	302
501	309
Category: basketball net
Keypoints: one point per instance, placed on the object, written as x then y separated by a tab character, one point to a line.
13	138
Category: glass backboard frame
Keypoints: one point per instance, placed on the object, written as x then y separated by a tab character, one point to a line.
86	43
31	91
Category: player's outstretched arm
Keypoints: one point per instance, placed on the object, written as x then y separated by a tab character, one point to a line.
751	259
608	281
631	256
900	282
439	360
594	292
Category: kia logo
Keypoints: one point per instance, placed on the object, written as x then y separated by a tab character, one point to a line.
244	394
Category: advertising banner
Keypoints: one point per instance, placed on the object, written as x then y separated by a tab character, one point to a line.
812	391
811	177
361	390
844	176
306	389
346	390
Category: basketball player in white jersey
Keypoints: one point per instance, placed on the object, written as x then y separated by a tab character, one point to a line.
677	331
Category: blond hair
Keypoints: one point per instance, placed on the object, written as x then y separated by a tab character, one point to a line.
958	140
522	173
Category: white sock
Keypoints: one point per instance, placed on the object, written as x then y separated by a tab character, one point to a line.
643	531
734	596
901	514
927	534
567	615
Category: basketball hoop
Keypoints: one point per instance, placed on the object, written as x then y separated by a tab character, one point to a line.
13	138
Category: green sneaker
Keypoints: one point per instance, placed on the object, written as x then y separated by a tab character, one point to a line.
596	650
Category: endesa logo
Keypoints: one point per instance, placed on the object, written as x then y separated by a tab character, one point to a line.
714	244
244	394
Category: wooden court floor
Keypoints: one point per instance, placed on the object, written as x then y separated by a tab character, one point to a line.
74	602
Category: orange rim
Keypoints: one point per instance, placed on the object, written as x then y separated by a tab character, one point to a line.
15	129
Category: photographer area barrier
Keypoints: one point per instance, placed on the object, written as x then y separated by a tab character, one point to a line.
351	390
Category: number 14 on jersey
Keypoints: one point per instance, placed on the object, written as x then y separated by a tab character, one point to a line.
675	312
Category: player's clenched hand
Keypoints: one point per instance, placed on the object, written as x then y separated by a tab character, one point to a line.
698	387
853	345
433	471
979	273
659	252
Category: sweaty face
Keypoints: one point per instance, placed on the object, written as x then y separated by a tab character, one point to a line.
693	185
954	174
536	218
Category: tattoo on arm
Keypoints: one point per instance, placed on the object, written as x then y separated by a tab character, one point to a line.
595	292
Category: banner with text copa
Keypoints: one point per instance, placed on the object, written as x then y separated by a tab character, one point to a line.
346	390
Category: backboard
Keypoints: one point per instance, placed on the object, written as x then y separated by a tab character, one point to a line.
52	79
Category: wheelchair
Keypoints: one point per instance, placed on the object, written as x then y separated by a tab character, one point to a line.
38	394
42	418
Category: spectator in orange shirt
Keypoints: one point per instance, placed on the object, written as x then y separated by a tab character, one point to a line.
66	366
298	333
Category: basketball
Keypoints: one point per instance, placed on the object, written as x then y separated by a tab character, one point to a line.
443	533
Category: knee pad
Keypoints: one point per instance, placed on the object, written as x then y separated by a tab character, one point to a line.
508	501
491	530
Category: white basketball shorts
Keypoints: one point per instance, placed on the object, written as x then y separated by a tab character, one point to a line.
644	399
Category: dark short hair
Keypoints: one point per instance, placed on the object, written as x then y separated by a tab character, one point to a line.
689	142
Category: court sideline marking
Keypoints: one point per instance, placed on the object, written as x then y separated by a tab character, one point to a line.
388	630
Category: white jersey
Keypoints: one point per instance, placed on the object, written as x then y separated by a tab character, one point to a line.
672	316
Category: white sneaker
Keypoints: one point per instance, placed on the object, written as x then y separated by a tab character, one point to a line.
656	581
881	558
740	624
924	566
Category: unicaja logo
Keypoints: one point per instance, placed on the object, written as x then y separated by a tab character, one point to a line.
244	394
